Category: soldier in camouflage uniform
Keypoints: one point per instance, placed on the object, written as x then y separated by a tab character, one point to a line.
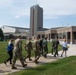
37	50
45	47
28	48
18	52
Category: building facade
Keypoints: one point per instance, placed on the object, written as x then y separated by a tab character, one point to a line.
36	20
15	31
68	33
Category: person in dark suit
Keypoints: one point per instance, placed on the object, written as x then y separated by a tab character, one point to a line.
41	46
56	46
53	46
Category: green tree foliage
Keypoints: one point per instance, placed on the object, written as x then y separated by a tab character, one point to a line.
1	35
10	36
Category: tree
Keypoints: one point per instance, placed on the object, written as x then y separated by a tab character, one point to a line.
10	36
1	35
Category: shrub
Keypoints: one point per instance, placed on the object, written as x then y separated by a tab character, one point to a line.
1	35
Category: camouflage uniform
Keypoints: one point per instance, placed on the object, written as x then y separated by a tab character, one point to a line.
45	47
37	51
28	48
17	53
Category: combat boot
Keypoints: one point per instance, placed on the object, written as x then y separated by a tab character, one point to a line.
13	67
24	65
36	61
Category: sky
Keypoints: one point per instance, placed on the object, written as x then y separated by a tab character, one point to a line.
56	13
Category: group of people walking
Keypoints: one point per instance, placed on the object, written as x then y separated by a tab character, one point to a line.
55	44
16	47
39	46
15	50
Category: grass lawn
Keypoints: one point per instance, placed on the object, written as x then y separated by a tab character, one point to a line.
4	55
65	66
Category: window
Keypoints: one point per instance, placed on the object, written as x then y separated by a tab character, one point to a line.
60	35
43	36
39	36
64	34
39	27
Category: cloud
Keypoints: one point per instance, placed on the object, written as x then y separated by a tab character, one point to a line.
55	8
20	7
5	3
52	8
16	17
17	7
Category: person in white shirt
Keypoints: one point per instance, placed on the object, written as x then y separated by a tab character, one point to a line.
64	47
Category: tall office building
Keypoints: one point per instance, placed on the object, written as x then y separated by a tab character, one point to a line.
36	20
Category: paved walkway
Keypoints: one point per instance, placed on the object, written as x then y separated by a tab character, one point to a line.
4	70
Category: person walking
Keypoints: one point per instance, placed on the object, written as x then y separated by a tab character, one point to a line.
45	47
64	47
41	46
28	48
37	50
53	46
9	51
56	47
18	52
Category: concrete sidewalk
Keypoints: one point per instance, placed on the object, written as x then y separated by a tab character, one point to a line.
4	70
